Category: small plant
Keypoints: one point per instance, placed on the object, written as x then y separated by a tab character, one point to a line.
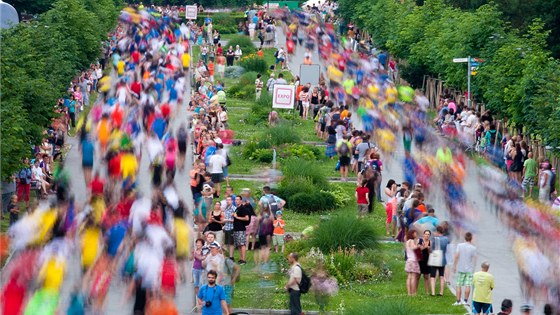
293	168
344	232
341	197
315	201
234	72
252	62
262	155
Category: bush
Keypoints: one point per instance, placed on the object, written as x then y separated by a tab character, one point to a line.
344	231
292	186
315	201
299	246
282	134
248	78
262	155
294	168
342	198
234	72
301	151
260	110
252	62
244	42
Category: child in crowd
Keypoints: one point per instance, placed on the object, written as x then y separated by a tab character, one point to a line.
278	238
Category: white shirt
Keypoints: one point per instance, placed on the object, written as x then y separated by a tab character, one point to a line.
37	172
217	163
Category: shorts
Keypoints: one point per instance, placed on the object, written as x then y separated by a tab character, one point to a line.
278	240
197	277
484	308
530	181
217	178
226	172
239	238
434	269
344	160
362	208
465	279
228	290
264	241
323	126
228	237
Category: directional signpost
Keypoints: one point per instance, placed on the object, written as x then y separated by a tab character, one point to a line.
472	67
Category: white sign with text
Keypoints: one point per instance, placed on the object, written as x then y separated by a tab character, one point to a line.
283	96
191	12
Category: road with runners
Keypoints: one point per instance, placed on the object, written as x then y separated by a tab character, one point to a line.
115	302
492	240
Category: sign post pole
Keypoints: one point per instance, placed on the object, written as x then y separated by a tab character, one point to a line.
469	82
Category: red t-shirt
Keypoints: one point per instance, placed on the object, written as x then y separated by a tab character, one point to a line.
136	87
168	275
362	193
96	186
135	56
114	166
124	207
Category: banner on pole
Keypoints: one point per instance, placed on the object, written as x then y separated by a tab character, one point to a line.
309	74
191	12
283	96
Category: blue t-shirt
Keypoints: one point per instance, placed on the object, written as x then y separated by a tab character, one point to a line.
429	219
215	295
115	235
158	126
71	106
87	153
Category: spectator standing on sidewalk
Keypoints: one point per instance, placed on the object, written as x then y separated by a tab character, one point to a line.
292	286
483	283
464	262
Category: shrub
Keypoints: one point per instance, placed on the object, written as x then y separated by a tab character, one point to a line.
298	150
244	42
252	62
293	168
262	155
260	110
282	134
292	186
225	28
344	231
234	72
299	246
248	78
342	198
315	201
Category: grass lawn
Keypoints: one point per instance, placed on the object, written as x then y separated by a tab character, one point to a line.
265	290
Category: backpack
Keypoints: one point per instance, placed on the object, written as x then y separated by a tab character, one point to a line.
273	205
344	150
276	53
305	282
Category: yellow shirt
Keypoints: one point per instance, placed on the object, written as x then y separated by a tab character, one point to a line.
90	246
129	165
483	283
186	58
120	67
98	208
47	220
53	273
391	94
335	74
181	237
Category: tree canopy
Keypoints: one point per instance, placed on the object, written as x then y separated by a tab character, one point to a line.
519	78
38	61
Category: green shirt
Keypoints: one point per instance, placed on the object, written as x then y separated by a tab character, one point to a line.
483	283
530	166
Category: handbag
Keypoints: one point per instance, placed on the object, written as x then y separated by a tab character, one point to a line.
436	256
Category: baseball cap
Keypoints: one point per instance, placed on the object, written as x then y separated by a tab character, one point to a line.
278	212
214	245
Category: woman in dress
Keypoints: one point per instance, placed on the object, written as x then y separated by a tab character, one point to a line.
411	267
331	140
425	245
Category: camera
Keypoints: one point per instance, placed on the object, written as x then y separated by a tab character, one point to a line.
398	185
208	303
